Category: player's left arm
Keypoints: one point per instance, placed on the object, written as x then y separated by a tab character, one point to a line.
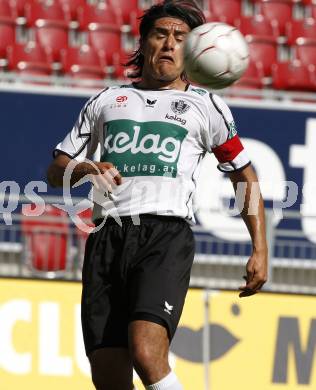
252	212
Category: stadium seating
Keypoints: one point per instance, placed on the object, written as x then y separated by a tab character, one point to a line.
100	16
119	71
294	76
253	77
7	37
259	26
19	6
305	28
82	62
227	11
126	8
305	50
7	14
72	6
28	57
134	21
53	37
52	11
106	41
110	28
46	240
280	11
263	50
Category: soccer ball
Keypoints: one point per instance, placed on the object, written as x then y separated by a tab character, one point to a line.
215	55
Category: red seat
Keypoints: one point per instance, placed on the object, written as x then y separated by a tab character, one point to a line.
53	37
313	10
253	77
46	240
36	11
7	37
19	6
82	62
259	26
305	28
7	14
263	51
119	70
100	16
227	11
305	50
135	21
294	76
72	7
125	8
106	41
278	10
29	56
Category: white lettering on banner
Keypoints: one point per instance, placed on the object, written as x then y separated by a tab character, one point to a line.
35	199
304	156
12	202
50	362
121	143
80	354
213	188
10	313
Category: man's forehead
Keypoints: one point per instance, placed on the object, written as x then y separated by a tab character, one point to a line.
172	24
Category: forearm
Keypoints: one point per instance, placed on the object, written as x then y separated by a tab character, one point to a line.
254	218
56	171
252	207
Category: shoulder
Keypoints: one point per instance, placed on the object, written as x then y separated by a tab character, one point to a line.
100	98
212	100
216	105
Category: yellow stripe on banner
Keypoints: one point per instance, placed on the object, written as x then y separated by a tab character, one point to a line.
265	342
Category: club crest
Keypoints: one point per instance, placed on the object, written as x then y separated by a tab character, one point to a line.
179	107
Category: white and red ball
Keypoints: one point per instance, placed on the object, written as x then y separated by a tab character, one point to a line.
215	55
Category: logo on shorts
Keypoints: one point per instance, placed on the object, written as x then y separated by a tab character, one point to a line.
168	308
179	107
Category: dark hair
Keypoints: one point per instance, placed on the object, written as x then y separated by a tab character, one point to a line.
185	10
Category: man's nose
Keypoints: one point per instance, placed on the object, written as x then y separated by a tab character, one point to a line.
170	43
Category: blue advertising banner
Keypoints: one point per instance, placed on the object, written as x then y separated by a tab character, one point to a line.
280	139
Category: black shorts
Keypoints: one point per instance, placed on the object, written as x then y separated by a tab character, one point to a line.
134	272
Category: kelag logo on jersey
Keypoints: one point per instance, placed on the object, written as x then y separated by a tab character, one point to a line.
143	148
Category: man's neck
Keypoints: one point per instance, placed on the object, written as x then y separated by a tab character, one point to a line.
147	83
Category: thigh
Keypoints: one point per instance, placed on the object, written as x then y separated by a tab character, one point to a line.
111	369
103	303
159	281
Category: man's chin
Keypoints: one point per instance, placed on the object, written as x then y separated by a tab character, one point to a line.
167	77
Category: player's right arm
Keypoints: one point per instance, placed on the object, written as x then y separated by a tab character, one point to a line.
56	171
79	147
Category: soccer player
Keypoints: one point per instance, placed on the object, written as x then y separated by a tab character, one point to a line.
148	140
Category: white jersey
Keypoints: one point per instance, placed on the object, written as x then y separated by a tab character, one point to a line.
157	140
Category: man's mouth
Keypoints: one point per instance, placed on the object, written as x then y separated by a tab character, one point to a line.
166	58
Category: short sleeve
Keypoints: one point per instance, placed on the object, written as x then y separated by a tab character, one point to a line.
82	141
222	138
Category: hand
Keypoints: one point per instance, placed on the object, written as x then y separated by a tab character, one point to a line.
106	177
257	272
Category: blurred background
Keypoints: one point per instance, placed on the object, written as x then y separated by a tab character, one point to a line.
54	55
